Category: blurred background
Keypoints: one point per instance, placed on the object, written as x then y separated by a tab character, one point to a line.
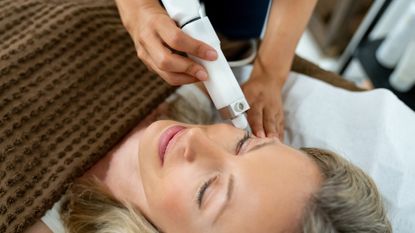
370	42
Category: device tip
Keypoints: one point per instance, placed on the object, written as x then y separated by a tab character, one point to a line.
241	122
248	128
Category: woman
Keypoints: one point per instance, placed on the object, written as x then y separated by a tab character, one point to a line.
190	178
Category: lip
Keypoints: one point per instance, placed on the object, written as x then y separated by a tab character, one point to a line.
166	137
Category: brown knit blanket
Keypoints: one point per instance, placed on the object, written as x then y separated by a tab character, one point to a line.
71	87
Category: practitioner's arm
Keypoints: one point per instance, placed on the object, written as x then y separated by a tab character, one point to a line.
287	22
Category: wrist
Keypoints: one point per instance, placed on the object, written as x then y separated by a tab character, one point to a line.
274	76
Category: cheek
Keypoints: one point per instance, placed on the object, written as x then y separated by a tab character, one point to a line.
174	201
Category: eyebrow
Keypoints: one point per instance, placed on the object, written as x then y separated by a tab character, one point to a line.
229	193
259	146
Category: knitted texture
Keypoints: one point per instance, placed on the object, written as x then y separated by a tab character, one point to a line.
71	87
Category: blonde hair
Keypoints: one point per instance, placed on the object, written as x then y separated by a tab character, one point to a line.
348	200
89	207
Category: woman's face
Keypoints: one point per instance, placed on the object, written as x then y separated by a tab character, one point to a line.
213	179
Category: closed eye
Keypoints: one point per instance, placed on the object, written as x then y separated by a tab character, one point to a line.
202	190
242	141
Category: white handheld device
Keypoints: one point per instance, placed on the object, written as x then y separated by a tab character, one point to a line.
222	86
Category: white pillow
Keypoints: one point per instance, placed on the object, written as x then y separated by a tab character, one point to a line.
373	129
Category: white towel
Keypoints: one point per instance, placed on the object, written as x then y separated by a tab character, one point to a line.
373	129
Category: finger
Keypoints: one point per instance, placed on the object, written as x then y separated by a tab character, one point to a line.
180	41
148	67
179	64
270	122
145	58
165	60
186	65
171	78
157	52
175	79
255	120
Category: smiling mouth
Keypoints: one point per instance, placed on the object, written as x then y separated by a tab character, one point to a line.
165	139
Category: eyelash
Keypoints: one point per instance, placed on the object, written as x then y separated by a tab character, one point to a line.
242	141
203	188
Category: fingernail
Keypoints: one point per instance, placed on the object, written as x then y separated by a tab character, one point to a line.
201	75
211	55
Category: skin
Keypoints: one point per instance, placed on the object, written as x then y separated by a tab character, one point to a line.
155	35
271	184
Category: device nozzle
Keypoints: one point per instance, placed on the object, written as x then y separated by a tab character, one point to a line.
240	121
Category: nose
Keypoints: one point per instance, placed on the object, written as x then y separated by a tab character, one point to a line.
197	146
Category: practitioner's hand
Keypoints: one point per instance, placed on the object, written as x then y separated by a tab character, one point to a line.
156	36
266	116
